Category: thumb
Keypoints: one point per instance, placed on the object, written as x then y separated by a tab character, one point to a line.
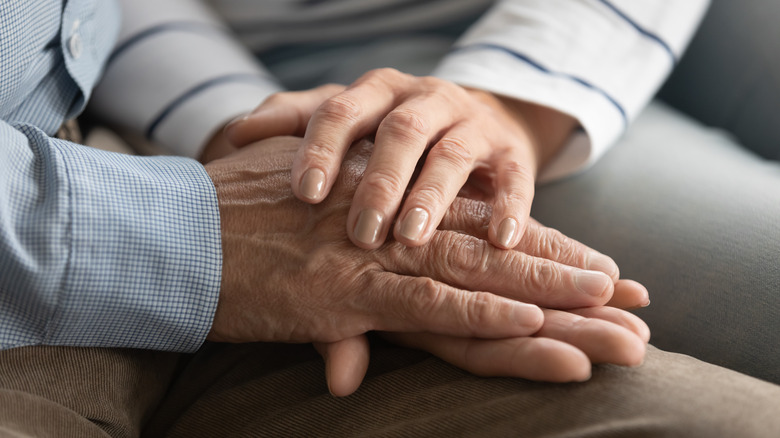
346	362
281	114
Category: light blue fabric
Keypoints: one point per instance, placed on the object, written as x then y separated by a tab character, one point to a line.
96	248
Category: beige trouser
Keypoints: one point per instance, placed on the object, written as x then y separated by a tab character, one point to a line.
279	390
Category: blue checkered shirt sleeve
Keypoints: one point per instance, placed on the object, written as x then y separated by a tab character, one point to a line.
103	249
96	248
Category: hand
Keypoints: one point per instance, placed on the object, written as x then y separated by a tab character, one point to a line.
563	350
291	275
462	130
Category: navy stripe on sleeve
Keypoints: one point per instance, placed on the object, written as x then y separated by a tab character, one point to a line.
547	71
192	92
640	29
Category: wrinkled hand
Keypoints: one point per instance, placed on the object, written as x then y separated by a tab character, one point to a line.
563	350
461	130
291	275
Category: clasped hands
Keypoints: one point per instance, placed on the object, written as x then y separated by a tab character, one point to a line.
545	310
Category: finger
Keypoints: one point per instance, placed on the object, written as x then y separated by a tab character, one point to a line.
346	362
412	304
549	243
529	358
619	317
401	139
602	341
285	113
336	124
473	217
515	180
629	295
474	264
447	167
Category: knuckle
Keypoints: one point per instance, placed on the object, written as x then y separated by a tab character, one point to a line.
541	277
480	310
555	245
546	245
384	181
454	151
431	195
467	255
406	124
341	109
515	199
428	296
319	152
515	169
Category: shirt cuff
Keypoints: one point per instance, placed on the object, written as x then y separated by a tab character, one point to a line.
145	260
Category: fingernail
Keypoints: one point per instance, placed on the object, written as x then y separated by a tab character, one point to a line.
506	232
312	184
413	225
368	225
592	282
605	264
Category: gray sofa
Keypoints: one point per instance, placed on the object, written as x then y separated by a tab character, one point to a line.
688	202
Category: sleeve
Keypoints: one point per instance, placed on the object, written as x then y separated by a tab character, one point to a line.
177	75
599	61
104	250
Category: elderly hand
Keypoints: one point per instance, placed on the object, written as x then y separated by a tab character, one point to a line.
291	275
563	350
461	130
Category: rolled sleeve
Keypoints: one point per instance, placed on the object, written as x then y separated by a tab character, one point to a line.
106	250
177	75
598	61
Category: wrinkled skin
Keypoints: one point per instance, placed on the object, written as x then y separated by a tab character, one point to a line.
291	274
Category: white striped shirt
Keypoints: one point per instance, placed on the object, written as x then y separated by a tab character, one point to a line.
183	68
